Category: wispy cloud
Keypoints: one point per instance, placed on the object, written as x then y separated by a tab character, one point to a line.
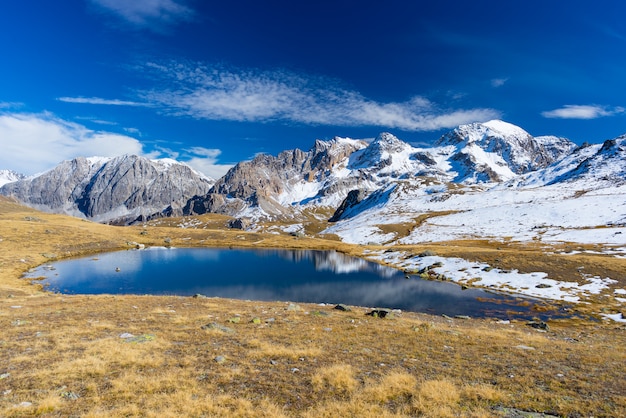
256	96
147	13
100	101
498	82
10	105
582	112
37	142
205	161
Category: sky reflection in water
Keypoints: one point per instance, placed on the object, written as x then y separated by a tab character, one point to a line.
270	275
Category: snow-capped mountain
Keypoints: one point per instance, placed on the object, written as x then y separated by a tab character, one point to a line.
119	190
578	198
9	176
471	154
498	151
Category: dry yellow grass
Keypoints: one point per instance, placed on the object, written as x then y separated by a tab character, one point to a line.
64	356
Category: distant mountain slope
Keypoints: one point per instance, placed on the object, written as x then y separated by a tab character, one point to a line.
8	176
118	190
598	165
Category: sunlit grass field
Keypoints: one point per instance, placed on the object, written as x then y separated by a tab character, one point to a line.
155	356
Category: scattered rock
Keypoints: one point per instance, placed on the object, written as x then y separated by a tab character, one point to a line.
319	313
49	255
379	312
199	296
234	319
239	223
256	320
538	325
216	326
342	307
220	359
543	286
5	376
524	347
126	335
70	396
427	253
462	317
294	307
140	338
518	413
25	404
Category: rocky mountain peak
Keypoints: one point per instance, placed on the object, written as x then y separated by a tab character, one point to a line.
497	150
118	190
380	152
9	176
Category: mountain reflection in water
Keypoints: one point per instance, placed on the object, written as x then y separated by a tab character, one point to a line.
271	275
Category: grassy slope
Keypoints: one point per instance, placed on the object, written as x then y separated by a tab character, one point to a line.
64	355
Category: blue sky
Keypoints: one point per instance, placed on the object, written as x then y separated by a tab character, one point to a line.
213	83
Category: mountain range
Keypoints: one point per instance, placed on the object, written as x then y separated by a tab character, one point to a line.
489	180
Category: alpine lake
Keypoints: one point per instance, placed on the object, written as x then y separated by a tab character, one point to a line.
305	276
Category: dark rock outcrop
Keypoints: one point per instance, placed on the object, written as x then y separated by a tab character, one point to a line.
354	198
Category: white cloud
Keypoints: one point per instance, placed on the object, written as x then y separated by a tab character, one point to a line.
33	143
10	105
498	82
133	131
582	112
237	95
147	13
100	101
205	161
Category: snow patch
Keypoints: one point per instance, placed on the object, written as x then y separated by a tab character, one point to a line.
536	284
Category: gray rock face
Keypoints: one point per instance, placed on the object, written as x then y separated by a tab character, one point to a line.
118	190
260	182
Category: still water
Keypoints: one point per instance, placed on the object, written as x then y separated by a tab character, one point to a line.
269	275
